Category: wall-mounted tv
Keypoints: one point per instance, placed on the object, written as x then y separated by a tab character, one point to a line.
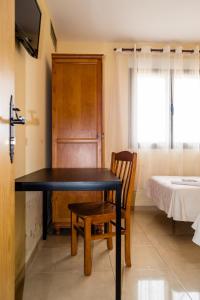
27	25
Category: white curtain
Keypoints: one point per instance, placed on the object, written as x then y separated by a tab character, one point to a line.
150	99
147	79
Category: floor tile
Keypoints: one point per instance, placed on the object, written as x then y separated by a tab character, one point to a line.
164	265
190	280
152	285
55	241
69	286
178	251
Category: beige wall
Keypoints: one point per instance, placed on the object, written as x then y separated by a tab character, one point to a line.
33	97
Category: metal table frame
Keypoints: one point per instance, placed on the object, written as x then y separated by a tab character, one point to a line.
47	180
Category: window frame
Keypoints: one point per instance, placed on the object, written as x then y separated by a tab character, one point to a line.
154	145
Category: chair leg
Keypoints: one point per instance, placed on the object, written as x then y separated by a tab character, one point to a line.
74	235
109	240
87	247
128	242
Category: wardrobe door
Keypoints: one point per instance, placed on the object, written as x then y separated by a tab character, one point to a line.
76	123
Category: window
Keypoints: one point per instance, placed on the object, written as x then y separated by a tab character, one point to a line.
165	110
186	101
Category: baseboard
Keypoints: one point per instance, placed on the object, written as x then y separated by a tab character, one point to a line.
141	199
20	277
145	208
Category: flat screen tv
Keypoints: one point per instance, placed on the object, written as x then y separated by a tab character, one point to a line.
27	25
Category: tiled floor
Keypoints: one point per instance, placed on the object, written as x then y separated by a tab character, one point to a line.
164	266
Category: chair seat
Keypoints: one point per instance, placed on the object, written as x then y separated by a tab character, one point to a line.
93	209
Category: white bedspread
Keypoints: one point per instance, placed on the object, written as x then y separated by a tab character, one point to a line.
196	227
178	198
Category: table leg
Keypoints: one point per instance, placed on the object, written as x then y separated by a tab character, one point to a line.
46	197
118	245
105	198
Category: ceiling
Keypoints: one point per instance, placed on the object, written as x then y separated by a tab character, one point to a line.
126	20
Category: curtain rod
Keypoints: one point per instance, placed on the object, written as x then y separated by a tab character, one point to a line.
152	50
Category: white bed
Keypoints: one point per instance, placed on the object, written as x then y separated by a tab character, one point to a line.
179	197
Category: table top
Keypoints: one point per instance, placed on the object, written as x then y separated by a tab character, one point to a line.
61	179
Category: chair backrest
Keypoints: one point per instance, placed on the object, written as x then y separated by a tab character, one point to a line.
123	165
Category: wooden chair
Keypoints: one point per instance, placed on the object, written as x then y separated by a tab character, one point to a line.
86	217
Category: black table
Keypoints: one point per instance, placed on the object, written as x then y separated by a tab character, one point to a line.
91	179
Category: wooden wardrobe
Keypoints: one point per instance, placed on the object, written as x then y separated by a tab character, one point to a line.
76	123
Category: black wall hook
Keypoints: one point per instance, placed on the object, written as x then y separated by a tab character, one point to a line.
15	119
